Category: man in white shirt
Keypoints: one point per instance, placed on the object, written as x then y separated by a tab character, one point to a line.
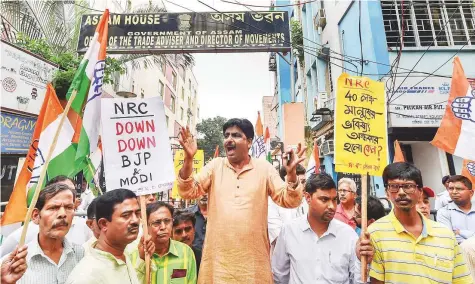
316	248
443	198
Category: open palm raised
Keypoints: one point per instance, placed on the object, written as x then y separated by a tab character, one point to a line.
188	142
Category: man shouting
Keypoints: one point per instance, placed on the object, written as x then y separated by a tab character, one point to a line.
236	247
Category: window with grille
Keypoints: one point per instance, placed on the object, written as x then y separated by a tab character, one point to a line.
428	22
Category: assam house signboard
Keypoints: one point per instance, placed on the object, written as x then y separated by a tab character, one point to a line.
191	32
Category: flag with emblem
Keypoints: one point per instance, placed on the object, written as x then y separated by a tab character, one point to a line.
258	149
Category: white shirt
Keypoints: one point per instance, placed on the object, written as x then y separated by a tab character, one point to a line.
78	234
300	256
277	216
86	198
442	199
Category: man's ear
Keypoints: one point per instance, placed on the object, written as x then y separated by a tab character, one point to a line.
89	223
102	224
307	197
371	221
35	216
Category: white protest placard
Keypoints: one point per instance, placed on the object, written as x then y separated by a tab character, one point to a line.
137	153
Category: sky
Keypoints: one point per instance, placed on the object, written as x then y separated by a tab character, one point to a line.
229	84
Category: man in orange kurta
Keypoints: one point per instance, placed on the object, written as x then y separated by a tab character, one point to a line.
236	248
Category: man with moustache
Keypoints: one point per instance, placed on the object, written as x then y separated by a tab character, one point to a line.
118	219
172	261
316	248
408	247
51	257
459	215
200	210
345	211
237	246
184	231
78	234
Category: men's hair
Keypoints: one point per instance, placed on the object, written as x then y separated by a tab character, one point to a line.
403	171
300	170
51	191
445	179
243	124
183	216
60	178
105	203
351	183
152	207
375	207
462	179
91	209
319	181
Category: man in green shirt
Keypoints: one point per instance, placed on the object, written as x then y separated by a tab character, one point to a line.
173	262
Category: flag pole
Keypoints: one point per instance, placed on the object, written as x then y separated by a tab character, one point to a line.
45	167
364	223
143	212
96	182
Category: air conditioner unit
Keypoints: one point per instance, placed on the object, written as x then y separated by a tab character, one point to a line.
324	53
320	100
320	140
328	148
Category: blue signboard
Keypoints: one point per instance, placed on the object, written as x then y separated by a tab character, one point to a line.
16	133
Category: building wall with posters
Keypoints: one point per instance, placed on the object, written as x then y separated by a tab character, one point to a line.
379	37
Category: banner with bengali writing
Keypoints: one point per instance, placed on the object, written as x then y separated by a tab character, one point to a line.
179	159
360	126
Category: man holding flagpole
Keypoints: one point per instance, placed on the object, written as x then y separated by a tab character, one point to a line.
237	244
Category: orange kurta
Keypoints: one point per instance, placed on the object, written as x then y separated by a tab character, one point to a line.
236	247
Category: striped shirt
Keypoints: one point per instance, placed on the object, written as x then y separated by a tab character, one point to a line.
41	269
399	257
177	266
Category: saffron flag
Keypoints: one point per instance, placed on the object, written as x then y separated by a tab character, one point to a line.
314	163
88	81
456	133
398	155
216	152
468	170
60	164
258	149
267	143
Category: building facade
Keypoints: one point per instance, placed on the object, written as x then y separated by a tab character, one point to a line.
419	61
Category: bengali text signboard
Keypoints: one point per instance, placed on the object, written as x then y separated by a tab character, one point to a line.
191	32
16	133
198	162
360	126
137	153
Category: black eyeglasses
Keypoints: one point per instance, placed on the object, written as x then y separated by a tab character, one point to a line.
406	187
158	222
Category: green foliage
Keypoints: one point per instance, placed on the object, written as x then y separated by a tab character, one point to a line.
68	63
210	133
297	40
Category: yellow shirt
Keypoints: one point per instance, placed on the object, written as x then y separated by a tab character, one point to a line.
236	247
434	257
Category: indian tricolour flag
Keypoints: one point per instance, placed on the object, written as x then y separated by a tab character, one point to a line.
267	143
456	133
60	164
313	166
88	82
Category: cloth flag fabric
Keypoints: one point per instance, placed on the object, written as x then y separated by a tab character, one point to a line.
88	82
267	143
398	155
60	164
456	133
216	152
314	163
468	170
258	149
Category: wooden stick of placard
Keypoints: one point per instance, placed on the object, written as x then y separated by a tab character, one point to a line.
143	212
364	223
45	167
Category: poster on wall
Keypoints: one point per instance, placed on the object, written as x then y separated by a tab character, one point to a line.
16	133
137	153
261	31
419	106
360	126
23	79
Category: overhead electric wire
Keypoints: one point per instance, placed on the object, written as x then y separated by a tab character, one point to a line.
359	33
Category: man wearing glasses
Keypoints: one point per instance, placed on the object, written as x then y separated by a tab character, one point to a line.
172	261
409	248
459	215
345	211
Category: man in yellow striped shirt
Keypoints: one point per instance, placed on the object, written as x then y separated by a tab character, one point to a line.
409	248
173	262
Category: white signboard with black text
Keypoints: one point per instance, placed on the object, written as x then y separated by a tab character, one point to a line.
23	79
137	153
419	106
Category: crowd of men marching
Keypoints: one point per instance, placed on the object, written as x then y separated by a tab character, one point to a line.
251	224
